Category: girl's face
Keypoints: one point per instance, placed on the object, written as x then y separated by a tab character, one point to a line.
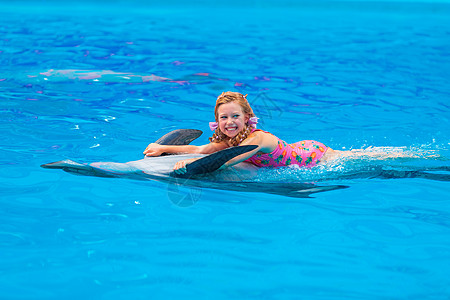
231	119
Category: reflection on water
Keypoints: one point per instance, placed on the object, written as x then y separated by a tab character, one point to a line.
100	84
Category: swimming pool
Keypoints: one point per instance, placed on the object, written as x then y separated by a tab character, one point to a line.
99	82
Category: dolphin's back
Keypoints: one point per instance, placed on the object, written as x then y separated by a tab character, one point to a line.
162	165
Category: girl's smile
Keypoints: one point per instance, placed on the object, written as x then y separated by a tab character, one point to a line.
231	119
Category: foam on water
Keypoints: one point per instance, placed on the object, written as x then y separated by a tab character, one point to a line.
100	82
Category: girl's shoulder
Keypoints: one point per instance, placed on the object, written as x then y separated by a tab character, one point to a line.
266	140
259	132
256	133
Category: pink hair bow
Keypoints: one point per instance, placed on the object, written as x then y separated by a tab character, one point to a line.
252	122
213	125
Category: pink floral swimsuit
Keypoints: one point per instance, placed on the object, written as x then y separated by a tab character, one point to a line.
304	154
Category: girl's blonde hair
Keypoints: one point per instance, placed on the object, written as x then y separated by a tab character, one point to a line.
228	97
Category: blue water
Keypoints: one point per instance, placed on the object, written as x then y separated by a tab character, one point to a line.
100	82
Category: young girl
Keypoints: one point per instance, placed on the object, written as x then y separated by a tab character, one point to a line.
236	125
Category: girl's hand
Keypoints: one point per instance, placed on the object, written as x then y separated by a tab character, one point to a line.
153	150
180	167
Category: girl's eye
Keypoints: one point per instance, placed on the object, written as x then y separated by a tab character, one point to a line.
235	116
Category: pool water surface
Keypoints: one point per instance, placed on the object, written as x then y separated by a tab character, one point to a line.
100	82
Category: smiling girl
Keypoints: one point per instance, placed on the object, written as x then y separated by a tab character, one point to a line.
236	125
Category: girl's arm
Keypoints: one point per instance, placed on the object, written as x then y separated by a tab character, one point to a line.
156	149
266	143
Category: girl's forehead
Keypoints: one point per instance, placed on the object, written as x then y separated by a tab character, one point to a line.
227	107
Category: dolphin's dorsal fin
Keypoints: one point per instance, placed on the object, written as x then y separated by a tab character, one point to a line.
179	137
213	161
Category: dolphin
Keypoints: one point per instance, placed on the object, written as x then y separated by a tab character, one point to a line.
203	172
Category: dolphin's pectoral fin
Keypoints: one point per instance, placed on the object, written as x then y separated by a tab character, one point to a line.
304	193
71	166
179	137
289	189
213	161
